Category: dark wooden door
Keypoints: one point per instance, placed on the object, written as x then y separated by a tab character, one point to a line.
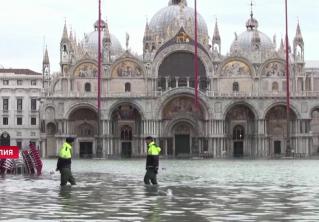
182	145
86	150
238	149
126	149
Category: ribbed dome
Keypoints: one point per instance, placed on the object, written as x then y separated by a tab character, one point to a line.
167	22
90	42
244	41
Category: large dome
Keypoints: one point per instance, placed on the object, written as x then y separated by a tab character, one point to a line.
167	22
90	42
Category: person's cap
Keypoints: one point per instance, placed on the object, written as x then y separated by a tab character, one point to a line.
149	138
69	139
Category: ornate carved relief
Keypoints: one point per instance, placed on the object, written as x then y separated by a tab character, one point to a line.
181	105
86	70
182	37
235	68
274	69
125	112
127	69
240	113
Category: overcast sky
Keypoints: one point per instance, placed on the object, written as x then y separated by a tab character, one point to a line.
27	25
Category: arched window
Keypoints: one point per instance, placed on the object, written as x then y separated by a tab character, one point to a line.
238	132
127	87
235	87
65	49
275	86
87	87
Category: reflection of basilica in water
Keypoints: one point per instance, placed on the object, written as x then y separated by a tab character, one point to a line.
242	94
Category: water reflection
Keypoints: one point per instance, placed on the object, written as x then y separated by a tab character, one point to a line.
188	191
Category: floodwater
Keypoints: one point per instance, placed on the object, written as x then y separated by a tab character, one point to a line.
189	190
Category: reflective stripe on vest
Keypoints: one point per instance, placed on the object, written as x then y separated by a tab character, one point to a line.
65	151
153	149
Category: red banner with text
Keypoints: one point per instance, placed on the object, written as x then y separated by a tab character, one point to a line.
9	152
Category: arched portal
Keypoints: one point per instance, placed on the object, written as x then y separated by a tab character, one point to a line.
276	127
183	127
126	131
240	129
183	132
83	124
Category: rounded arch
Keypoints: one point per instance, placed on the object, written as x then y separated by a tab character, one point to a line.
49	112
168	129
315	108
238	132
127	66
276	121
202	55
180	64
271	67
77	106
137	106
229	107
292	108
176	93
78	114
51	128
85	68
242	60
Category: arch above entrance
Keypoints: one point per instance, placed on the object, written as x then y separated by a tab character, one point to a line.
182	105
118	104
79	106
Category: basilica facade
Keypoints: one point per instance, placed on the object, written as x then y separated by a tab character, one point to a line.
242	95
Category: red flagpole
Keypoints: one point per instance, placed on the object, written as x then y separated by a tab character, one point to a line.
288	148
196	58
99	149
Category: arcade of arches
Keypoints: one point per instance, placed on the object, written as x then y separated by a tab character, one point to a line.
182	130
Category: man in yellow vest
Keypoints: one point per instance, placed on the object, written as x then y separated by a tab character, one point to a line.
64	162
152	161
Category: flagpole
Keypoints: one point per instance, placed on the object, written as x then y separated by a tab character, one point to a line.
196	58
288	148
99	147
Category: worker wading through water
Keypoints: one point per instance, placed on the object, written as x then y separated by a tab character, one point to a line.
64	162
152	161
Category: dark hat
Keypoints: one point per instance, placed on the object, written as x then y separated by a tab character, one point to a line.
69	139
149	138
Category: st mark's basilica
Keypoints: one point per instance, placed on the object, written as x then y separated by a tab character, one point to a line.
242	97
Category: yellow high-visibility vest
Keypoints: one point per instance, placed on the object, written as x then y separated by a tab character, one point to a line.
65	151
153	149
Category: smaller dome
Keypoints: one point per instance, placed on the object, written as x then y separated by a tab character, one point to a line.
90	41
245	39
